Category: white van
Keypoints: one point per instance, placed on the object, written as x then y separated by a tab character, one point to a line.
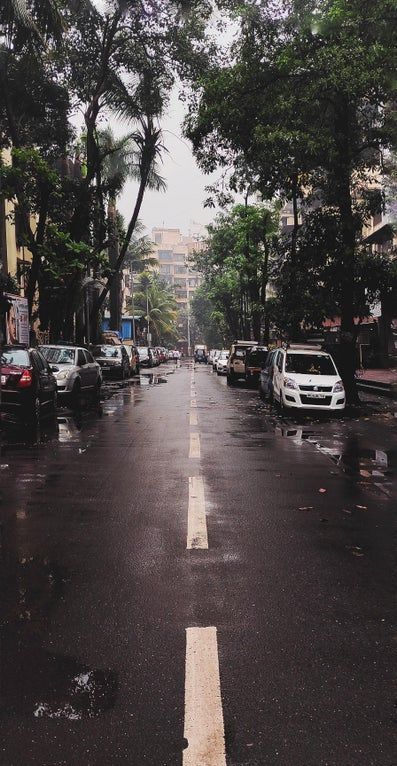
306	378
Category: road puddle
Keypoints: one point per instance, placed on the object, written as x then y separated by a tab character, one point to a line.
151	379
35	681
370	467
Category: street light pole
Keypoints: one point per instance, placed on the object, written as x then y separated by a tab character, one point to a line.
133	307
147	315
188	328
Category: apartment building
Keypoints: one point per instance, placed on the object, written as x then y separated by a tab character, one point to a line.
173	251
15	258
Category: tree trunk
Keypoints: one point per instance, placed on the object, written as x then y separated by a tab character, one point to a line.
348	335
138	203
265	279
113	253
295	328
384	325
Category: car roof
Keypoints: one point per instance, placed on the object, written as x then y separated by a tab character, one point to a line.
310	351
56	345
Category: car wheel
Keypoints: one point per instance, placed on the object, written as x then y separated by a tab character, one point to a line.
37	409
75	394
54	403
97	392
230	380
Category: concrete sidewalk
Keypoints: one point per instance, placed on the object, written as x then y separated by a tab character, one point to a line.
382	381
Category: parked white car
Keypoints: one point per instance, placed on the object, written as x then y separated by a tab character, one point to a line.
214	357
221	362
306	378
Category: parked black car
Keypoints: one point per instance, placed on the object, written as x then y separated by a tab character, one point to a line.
266	376
28	385
255	361
113	360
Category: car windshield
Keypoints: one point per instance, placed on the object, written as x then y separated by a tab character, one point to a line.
111	352
310	364
223	355
258	357
59	355
17	356
240	353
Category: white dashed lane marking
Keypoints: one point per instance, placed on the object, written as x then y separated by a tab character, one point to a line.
194	447
197	535
193	419
204	728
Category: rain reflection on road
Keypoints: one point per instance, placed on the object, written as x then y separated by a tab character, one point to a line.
368	466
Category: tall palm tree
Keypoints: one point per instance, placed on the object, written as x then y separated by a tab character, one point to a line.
118	158
158	306
147	152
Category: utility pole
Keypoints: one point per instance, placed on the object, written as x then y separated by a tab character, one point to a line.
133	307
189	345
147	316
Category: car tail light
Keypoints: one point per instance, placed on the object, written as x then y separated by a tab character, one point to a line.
25	380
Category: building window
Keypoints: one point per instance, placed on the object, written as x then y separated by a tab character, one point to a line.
157	239
165	255
165	269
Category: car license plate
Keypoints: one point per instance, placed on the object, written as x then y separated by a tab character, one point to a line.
3	380
317	396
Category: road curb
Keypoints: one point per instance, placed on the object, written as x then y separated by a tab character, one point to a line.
378	386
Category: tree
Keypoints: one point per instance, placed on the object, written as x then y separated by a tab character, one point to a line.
118	61
209	321
235	266
303	107
155	300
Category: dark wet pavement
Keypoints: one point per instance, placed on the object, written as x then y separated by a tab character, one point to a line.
98	587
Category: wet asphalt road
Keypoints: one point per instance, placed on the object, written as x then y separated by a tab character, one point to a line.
98	587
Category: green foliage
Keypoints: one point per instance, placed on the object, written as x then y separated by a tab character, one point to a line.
210	321
59	57
235	267
153	294
304	108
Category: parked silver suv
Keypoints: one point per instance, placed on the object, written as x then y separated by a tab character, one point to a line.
75	370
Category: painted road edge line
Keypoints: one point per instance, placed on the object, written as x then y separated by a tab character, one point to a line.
197	535
194	446
204	726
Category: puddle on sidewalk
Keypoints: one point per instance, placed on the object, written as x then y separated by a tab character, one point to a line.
371	468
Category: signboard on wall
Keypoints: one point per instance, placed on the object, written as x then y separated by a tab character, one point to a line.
17	320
